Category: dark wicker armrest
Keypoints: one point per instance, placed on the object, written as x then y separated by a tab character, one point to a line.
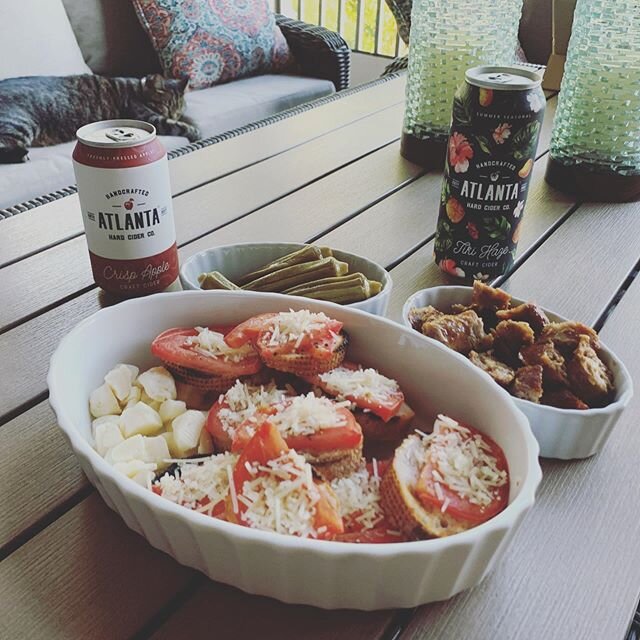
319	52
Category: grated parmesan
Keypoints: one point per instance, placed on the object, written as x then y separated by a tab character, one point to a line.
462	462
281	498
359	498
245	401
307	414
195	481
367	384
211	344
293	326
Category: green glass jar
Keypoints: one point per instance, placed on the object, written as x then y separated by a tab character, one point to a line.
595	146
447	38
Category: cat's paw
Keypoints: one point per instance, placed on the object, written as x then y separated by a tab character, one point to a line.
13	154
189	131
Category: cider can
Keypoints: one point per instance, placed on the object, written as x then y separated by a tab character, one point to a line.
496	122
123	184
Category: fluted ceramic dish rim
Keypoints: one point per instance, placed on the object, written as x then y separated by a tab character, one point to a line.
81	446
619	403
382	297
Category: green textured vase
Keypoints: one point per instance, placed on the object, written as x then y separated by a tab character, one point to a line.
447	38
595	145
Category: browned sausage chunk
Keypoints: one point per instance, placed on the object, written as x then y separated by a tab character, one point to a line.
462	332
510	337
528	383
487	297
563	399
589	377
550	359
530	313
565	335
502	373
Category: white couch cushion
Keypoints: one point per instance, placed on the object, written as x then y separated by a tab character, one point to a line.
228	106
48	169
36	39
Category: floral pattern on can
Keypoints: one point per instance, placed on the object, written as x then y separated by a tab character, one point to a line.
214	41
490	157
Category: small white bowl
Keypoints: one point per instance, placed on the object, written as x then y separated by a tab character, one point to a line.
235	260
321	573
566	434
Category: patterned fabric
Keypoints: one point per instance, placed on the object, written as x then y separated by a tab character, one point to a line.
214	41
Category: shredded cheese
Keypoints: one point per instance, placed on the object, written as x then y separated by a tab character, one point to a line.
195	481
281	497
243	401
359	498
367	384
211	344
307	414
461	461
293	326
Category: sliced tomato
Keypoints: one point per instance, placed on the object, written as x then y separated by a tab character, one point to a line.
267	444
458	506
215	427
249	330
346	436
384	409
327	515
172	346
320	344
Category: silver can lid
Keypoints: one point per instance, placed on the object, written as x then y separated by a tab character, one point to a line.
503	78
116	133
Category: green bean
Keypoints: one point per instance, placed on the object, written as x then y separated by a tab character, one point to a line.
215	280
297	274
308	253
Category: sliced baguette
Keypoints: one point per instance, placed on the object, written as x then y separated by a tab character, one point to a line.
199	380
402	508
336	464
305	365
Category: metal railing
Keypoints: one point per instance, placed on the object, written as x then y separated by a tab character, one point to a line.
367	25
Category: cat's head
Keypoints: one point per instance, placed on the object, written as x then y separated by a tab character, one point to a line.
164	95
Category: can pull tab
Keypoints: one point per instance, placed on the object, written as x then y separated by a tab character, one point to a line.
500	77
120	135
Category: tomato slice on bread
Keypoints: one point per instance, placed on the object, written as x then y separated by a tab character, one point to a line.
458	506
366	388
178	346
267	444
289	332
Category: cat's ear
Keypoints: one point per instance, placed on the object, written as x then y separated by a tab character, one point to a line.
183	83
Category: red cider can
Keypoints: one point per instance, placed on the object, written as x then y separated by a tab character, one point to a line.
123	183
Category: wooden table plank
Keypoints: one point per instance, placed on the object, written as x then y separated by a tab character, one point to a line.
572	570
85	576
39	472
64	270
592	252
32	231
328	201
269	619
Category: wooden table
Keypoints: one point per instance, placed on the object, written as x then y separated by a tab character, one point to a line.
69	566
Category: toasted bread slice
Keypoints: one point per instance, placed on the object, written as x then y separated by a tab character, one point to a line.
199	380
402	508
305	365
336	464
375	428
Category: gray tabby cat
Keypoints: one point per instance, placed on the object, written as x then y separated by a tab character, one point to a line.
41	111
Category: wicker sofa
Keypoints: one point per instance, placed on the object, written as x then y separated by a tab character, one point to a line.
113	43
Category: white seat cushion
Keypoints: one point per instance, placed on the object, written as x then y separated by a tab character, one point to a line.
235	104
48	169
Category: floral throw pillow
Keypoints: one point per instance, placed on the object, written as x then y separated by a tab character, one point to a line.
213	41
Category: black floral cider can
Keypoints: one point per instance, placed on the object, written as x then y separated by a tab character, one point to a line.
497	116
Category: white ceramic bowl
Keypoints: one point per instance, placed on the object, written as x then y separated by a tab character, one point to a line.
235	260
566	434
321	573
